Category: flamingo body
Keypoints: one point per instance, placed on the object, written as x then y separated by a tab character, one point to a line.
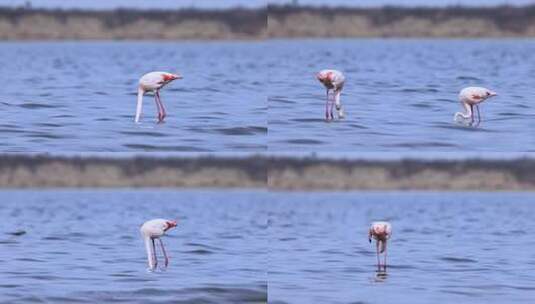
153	82
152	230
332	80
471	97
381	233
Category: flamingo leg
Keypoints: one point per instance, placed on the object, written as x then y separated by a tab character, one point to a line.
155	259
327	106
478	115
471	115
377	251
332	107
164	254
157	105
162	112
384	262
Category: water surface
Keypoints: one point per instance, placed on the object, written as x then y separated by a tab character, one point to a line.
445	248
401	95
81	96
85	247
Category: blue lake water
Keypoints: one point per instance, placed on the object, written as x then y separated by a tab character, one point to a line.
445	247
63	246
81	96
401	95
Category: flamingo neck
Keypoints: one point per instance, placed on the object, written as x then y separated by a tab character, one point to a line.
467	114
150	253
140	93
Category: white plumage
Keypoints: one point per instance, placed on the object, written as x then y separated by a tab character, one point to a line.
471	97
332	80
380	232
153	82
152	230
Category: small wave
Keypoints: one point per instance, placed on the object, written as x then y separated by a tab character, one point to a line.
48	124
421	105
422	145
9	285
29	260
53	238
471	78
242	130
48	136
33	105
280	99
286	239
419	90
144	133
357	126
203	246
17	233
304	141
308	120
165	148
457	260
199	251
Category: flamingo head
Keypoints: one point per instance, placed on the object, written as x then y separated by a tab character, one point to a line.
169	225
491	94
171	77
324	77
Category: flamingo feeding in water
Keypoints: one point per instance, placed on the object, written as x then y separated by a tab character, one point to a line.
332	80
381	232
151	230
153	82
471	97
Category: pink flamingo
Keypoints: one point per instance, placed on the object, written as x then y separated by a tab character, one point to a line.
470	97
381	232
151	230
153	82
332	80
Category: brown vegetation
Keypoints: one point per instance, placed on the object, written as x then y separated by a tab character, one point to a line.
19	171
457	175
40	24
502	21
44	171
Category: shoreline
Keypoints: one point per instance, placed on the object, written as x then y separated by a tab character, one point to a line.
270	22
286	21
265	172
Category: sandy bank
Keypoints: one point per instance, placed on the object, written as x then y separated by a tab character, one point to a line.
454	22
38	24
19	171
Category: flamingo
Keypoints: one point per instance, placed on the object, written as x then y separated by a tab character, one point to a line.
153	82
151	230
381	232
470	97
332	80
